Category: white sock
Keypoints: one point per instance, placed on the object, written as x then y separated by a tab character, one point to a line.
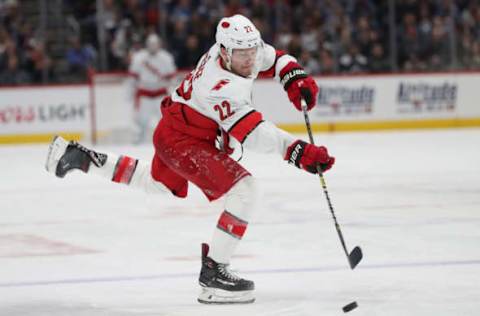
240	203
132	172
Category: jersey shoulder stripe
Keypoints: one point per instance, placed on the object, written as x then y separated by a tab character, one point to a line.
245	125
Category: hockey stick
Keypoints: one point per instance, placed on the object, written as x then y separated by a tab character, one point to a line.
356	255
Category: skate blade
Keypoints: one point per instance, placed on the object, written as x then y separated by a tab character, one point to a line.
56	149
218	296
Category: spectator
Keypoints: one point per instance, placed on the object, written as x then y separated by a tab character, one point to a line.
424	28
309	36
124	38
328	30
191	53
211	10
474	62
12	75
345	41
327	62
264	28
80	57
409	43
438	50
5	41
353	61
309	63
182	11
110	15
414	64
465	49
205	36
178	39
294	47
363	36
284	36
378	62
38	62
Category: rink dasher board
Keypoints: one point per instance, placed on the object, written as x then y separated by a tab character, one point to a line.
345	103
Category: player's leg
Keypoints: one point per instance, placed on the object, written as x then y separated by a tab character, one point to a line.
143	115
154	115
219	284
64	157
217	175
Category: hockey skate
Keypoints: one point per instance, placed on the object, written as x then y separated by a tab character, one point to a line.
64	156
220	286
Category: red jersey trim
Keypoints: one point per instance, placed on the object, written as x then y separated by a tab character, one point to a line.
270	72
151	93
244	126
134	75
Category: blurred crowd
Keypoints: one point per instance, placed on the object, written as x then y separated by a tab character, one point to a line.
327	36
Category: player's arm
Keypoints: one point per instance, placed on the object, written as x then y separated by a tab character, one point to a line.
248	127
296	82
171	70
170	64
267	138
133	77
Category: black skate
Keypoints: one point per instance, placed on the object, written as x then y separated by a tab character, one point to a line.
66	156
220	286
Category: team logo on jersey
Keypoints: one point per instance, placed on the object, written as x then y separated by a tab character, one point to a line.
152	69
220	84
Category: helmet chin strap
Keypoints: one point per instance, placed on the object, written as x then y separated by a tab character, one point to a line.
228	63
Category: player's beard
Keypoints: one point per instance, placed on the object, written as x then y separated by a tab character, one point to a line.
244	71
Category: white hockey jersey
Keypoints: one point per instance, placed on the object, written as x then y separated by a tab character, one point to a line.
152	72
226	98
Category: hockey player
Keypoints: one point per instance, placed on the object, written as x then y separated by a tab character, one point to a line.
152	70
214	98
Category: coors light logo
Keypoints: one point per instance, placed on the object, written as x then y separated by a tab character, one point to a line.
12	114
345	100
424	97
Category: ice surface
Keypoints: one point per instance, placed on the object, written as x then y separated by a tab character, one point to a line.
82	246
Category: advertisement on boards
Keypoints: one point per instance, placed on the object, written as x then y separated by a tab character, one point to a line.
342	100
426	96
43	110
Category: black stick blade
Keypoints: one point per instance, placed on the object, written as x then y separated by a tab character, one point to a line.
355	257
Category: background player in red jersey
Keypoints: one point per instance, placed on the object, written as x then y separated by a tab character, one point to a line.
214	99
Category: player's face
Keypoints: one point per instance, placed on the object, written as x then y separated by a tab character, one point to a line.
243	61
153	46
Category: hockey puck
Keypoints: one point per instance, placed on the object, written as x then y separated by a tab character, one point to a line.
349	307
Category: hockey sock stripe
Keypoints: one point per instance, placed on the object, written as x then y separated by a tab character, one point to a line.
124	169
232	225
